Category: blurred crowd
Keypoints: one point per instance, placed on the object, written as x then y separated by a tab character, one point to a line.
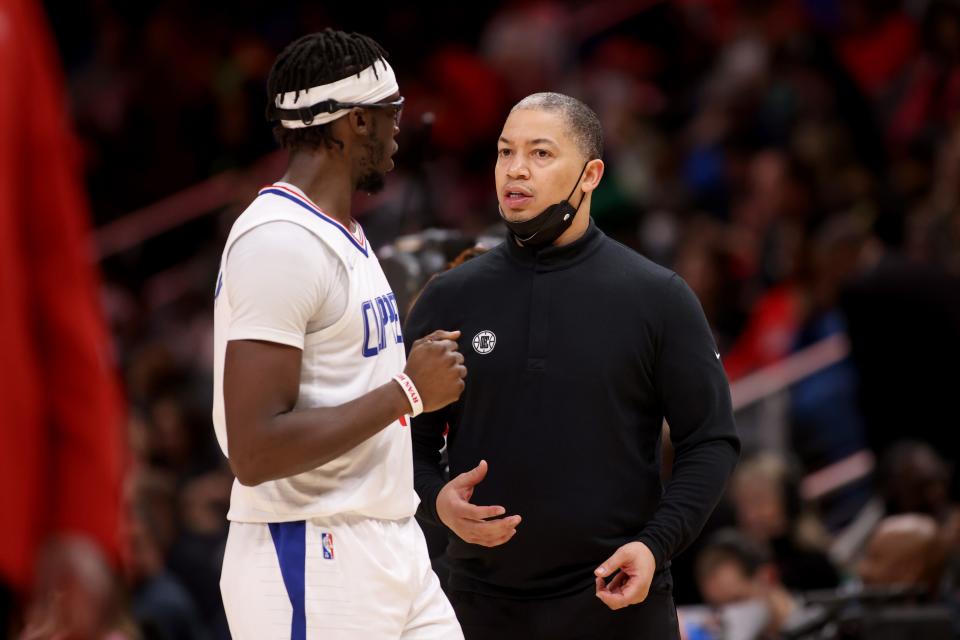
796	162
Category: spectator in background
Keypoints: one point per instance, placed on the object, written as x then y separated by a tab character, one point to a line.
182	491
162	607
826	425
911	550
528	44
903	319
61	452
766	244
770	513
915	479
911	477
740	580
904	550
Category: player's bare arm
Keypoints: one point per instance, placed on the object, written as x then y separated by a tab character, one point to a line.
269	440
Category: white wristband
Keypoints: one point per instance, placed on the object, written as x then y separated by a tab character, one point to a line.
410	390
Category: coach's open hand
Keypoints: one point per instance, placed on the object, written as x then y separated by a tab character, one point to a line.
631	585
436	368
469	521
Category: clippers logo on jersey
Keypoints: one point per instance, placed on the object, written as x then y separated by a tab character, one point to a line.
381	324
326	542
484	342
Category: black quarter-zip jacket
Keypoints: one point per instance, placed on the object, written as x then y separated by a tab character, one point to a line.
575	355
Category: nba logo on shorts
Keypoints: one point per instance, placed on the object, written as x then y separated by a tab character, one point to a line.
326	541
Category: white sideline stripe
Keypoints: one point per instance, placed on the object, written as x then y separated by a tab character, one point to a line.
789	371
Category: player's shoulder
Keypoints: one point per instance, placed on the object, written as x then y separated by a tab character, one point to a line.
274	237
275	221
262	242
261	209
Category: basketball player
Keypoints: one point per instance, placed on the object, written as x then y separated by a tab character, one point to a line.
311	393
578	348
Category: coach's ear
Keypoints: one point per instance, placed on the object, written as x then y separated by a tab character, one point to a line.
592	175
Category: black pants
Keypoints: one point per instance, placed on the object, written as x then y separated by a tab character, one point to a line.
581	616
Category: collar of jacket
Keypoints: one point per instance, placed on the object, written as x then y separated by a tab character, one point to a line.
553	258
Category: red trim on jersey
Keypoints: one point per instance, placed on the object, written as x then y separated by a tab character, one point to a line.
359	237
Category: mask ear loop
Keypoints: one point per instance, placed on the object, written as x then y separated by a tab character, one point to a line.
582	195
577	183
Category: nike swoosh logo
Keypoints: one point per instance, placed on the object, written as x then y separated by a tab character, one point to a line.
717	354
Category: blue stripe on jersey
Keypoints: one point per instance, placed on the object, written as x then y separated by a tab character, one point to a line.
290	541
293	198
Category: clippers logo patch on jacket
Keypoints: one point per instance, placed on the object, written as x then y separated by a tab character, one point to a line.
484	342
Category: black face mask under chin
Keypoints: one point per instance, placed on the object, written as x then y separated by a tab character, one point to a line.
548	225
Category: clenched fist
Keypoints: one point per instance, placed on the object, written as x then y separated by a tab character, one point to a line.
436	368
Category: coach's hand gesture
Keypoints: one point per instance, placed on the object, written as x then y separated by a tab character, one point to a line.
436	368
469	521
631	586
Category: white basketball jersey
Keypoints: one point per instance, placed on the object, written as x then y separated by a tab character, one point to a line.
358	353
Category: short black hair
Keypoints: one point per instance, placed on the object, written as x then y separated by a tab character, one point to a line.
315	59
730	545
582	120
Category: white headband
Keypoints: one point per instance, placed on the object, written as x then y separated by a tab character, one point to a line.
368	86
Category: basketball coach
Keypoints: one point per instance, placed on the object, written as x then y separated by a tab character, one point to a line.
578	348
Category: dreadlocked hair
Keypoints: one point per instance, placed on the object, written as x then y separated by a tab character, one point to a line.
315	59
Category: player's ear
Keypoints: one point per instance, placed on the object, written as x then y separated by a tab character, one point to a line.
359	121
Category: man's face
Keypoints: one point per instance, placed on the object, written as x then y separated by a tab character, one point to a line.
537	163
378	148
727	583
760	509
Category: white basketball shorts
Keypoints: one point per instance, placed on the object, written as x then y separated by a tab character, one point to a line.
343	577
